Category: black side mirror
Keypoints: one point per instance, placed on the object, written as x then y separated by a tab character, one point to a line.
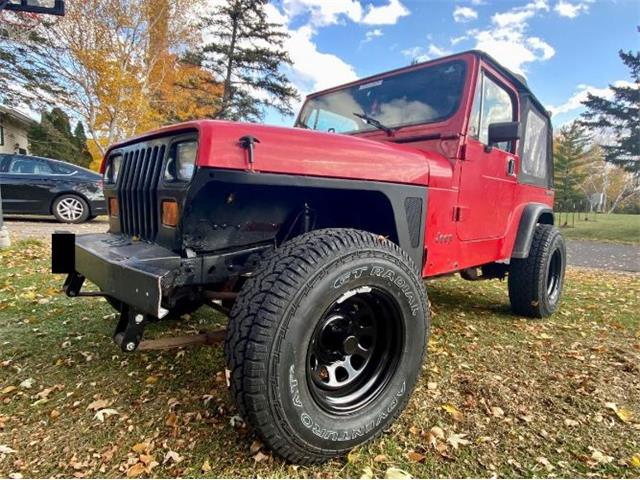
503	132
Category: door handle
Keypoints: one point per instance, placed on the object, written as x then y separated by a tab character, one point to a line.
511	167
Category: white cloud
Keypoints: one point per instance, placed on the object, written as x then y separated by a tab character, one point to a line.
323	12
580	95
571	10
315	70
507	39
421	54
329	12
385	15
371	34
464	14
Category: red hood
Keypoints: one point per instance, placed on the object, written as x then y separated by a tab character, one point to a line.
305	152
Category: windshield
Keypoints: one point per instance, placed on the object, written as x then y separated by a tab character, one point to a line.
426	95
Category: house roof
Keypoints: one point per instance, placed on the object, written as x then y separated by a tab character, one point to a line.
16	116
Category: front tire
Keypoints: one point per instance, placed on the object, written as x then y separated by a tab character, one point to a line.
326	342
536	282
70	209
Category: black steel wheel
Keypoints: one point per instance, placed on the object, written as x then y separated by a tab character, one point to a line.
354	350
326	341
535	282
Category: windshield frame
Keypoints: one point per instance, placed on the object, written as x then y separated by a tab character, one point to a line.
367	128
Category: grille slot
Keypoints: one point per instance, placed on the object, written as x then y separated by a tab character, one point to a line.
138	191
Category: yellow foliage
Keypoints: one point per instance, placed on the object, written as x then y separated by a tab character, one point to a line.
119	57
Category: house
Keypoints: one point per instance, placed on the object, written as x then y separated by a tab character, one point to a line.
14	128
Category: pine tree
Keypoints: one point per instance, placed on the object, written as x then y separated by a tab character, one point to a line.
246	55
619	118
52	138
570	155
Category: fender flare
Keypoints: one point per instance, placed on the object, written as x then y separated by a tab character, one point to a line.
532	214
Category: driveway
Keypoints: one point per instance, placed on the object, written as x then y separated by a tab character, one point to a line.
610	256
581	253
41	228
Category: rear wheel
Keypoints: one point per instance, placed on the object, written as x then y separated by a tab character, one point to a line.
326	341
535	282
71	209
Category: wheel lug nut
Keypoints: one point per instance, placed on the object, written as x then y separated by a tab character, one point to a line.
323	373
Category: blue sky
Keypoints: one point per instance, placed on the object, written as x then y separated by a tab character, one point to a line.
564	47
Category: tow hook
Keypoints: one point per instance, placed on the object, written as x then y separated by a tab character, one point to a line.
130	329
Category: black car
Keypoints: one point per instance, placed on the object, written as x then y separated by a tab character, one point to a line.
41	186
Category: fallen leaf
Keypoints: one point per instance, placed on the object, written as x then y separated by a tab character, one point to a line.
172	420
624	414
380	458
28	383
453	411
147	459
497	412
415	457
98	405
173	457
571	423
260	457
8	389
255	447
105	413
635	460
54	413
141	447
367	474
545	462
151	380
457	439
6	449
600	457
206	468
393	472
136	470
432	386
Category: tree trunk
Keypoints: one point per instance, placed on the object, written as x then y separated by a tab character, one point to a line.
226	94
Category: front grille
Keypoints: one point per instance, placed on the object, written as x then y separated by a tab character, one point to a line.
138	191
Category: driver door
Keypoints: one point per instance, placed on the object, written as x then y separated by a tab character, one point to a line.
488	174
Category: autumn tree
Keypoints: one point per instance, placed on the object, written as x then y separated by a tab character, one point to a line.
52	137
24	79
119	62
246	54
570	148
618	118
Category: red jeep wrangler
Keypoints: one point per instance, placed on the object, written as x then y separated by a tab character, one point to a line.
315	240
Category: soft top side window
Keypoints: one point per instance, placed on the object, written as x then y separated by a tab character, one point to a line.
536	148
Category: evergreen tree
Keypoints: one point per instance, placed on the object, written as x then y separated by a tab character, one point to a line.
246	55
570	155
619	117
53	138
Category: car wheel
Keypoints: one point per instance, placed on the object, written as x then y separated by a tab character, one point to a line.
535	282
326	341
71	209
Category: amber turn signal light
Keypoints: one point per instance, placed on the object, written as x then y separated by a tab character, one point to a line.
169	213
113	207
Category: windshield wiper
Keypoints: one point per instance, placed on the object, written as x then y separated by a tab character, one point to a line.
374	123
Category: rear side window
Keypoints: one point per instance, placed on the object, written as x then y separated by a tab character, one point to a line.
536	142
63	169
30	166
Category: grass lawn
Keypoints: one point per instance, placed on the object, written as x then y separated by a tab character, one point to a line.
614	227
499	395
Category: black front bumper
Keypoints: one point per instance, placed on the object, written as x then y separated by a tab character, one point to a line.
133	272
